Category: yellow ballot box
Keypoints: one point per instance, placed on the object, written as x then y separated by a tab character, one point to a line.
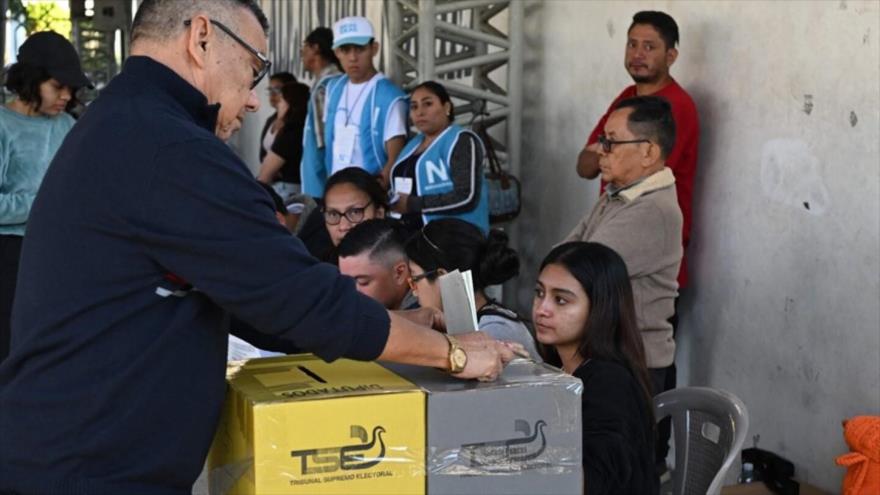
295	424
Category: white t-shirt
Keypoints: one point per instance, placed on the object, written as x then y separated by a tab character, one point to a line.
354	96
269	139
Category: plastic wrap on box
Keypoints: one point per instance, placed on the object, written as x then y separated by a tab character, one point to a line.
296	424
518	435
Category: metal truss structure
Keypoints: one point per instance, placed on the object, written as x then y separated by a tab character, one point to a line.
474	47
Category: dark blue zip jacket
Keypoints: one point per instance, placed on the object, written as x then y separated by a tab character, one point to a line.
146	231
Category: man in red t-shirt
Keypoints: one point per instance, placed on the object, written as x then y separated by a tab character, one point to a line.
650	52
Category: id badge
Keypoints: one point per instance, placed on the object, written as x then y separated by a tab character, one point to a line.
403	185
343	146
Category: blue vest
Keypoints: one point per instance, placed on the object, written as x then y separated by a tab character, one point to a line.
313	170
372	125
434	175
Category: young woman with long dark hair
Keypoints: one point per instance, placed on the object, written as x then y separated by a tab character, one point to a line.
584	314
280	166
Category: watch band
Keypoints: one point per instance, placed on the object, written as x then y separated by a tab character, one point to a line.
455	351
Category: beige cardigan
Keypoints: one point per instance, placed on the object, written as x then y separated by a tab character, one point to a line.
643	224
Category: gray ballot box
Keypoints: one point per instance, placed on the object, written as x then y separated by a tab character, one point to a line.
518	435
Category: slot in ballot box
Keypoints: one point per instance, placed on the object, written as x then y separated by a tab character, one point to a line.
518	435
295	424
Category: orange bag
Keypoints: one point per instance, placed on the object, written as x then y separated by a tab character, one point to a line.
862	434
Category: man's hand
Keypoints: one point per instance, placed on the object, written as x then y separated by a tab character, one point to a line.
384	178
412	343
486	356
393	147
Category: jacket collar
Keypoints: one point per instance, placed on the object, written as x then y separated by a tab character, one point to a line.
146	70
653	182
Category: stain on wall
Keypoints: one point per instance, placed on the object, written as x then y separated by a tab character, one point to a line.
808	104
853	118
791	175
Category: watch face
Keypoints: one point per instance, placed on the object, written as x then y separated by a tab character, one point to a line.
459	358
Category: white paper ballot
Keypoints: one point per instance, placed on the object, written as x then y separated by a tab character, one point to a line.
457	294
403	185
239	349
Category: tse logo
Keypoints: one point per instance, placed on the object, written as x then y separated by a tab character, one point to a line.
362	455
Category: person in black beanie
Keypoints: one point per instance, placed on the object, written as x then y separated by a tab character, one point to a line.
33	124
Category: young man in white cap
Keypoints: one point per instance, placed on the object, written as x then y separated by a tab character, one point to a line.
365	112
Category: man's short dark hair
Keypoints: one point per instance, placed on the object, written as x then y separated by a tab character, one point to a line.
651	118
383	239
160	19
662	22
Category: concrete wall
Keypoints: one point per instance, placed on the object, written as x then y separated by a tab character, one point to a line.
783	304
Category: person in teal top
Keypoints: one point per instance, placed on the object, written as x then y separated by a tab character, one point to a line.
439	173
33	124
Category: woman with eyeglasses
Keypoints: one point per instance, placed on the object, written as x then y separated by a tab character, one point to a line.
33	124
281	162
351	196
451	244
439	173
584	314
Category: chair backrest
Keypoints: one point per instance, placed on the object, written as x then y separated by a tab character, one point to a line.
710	427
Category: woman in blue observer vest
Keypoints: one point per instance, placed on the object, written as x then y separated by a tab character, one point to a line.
439	172
33	124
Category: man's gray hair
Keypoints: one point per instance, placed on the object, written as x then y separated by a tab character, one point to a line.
163	19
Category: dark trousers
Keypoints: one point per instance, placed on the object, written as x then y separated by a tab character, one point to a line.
663	379
10	252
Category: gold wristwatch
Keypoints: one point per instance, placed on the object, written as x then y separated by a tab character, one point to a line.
457	357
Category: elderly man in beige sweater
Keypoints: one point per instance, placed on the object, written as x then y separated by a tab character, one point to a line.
638	216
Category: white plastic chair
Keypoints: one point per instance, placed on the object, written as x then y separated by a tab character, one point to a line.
709	428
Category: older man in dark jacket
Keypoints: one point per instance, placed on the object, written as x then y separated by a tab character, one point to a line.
141	240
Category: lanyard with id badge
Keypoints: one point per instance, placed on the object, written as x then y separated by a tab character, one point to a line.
343	143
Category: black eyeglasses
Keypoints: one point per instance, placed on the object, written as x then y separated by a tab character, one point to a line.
273	90
353	215
608	143
265	64
414	279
